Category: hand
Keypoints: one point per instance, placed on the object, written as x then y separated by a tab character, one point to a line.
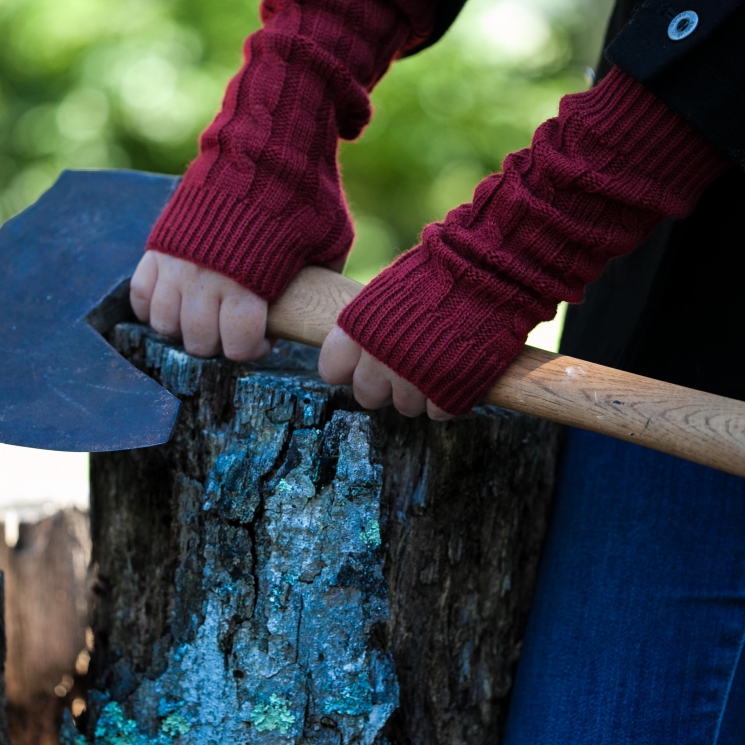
375	385
208	311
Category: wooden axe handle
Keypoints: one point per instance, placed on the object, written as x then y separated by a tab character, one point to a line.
699	427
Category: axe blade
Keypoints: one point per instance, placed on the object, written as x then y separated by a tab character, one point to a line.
65	263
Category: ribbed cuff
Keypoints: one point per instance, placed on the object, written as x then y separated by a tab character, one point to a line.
263	199
260	249
449	345
450	315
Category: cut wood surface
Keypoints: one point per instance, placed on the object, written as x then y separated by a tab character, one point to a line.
697	426
290	569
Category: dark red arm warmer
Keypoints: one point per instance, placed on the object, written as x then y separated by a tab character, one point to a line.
452	313
263	199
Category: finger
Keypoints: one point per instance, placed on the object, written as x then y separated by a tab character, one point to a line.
372	383
165	309
142	285
407	399
200	321
242	327
339	358
438	414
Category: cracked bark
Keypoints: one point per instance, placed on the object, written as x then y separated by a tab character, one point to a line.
291	569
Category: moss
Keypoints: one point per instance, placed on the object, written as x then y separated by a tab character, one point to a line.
370	535
275	715
113	728
175	725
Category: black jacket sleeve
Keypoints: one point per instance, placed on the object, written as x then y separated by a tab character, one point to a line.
701	76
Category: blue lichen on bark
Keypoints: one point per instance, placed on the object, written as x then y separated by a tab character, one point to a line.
290	569
275	596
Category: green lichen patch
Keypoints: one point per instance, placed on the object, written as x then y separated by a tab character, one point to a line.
275	715
370	534
283	486
175	725
113	728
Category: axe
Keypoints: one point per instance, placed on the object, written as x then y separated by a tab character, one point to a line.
66	263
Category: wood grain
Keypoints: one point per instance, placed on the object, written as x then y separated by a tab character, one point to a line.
690	424
309	307
697	426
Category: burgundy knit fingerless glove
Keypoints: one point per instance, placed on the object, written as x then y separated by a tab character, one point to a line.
263	198
451	314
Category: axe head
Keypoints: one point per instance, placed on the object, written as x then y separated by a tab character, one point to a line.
65	265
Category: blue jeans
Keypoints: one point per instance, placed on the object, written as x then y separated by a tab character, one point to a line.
637	629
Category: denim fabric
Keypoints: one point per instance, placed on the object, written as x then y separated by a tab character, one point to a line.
637	629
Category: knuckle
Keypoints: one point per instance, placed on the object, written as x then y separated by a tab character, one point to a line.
164	328
139	291
199	349
369	399
407	399
197	329
409	406
365	402
331	371
244	352
262	351
236	353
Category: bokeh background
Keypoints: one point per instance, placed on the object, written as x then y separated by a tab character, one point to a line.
132	83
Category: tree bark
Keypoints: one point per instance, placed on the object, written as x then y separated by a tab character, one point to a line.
290	569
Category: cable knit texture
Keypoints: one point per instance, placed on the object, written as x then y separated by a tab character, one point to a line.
452	313
263	199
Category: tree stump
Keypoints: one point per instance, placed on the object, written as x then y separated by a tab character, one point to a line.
291	569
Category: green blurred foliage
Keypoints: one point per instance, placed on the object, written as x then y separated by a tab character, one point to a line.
441	125
131	83
109	83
